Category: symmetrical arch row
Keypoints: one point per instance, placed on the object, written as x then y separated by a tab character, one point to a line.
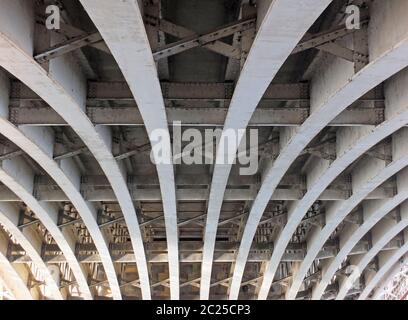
63	88
368	156
13	278
390	285
385	264
333	89
9	218
375	215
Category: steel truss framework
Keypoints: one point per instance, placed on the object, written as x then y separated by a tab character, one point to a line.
85	212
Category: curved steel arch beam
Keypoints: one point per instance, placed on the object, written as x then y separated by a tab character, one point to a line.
13	281
387	261
328	100
19	178
126	37
38	143
4	287
390	276
382	234
63	88
397	114
373	212
35	142
366	177
29	241
273	44
12	278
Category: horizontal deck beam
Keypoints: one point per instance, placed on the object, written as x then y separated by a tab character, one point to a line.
130	116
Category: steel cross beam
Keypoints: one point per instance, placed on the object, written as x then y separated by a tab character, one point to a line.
68	46
224	282
188	91
276	219
29	242
113	221
258	76
31	221
176	91
135	283
71	32
190	40
66	283
11	155
71	221
322	38
194	41
161	283
71	154
192	282
343	52
130	116
182	32
192	194
224	253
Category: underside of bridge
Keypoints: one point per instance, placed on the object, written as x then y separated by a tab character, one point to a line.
89	89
